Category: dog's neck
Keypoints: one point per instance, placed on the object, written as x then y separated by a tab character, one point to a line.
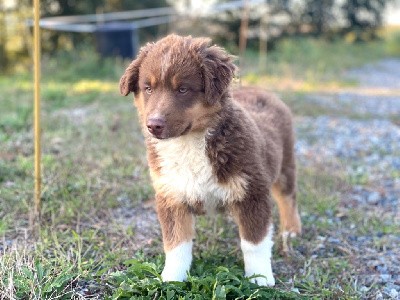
186	172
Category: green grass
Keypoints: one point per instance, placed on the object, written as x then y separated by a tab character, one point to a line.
95	178
208	280
318	61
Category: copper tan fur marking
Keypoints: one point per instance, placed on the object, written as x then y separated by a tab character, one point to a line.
211	148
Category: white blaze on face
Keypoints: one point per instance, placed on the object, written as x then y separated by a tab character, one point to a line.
165	64
257	259
177	262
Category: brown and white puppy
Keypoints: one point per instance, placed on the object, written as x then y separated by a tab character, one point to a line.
212	149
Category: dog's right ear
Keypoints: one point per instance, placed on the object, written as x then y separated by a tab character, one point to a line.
129	81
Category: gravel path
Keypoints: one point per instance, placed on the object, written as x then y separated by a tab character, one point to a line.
368	151
383	74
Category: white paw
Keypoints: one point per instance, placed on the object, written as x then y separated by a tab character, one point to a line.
177	262
264	281
173	274
257	260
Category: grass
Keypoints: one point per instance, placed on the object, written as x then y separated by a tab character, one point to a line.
307	65
96	179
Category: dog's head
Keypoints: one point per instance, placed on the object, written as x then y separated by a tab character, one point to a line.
178	83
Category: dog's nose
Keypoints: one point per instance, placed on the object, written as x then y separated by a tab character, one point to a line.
156	125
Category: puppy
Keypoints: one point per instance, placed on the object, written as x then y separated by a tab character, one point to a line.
212	149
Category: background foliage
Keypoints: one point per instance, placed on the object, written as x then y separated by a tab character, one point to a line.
277	19
318	18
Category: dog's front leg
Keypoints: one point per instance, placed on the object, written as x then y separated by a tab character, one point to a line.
177	225
255	227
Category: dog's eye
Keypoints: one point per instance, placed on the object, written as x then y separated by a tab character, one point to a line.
183	90
148	90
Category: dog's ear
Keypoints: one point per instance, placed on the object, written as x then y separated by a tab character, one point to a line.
129	81
218	72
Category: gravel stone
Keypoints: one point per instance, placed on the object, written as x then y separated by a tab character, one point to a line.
368	151
364	147
394	294
382	74
379	296
373	198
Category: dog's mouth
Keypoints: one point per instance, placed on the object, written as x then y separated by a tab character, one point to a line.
165	136
187	129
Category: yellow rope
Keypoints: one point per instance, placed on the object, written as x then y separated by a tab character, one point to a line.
37	135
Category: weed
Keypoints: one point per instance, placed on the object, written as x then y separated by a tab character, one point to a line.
141	280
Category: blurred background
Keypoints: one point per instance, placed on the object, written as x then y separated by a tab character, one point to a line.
335	63
264	24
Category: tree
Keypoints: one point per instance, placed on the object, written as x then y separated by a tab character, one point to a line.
3	39
320	18
318	14
362	14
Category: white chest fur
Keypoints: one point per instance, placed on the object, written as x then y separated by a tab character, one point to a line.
186	173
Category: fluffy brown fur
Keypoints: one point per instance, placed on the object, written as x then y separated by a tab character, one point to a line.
210	148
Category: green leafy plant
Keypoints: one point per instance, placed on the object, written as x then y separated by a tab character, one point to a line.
141	280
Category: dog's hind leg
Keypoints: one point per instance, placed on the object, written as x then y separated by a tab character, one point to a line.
177	225
284	193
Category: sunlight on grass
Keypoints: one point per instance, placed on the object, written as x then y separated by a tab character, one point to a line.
279	83
84	86
21	84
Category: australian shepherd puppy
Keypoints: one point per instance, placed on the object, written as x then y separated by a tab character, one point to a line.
212	149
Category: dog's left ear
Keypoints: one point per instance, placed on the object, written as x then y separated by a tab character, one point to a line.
218	72
129	81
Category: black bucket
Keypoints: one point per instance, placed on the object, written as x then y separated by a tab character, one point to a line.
117	39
